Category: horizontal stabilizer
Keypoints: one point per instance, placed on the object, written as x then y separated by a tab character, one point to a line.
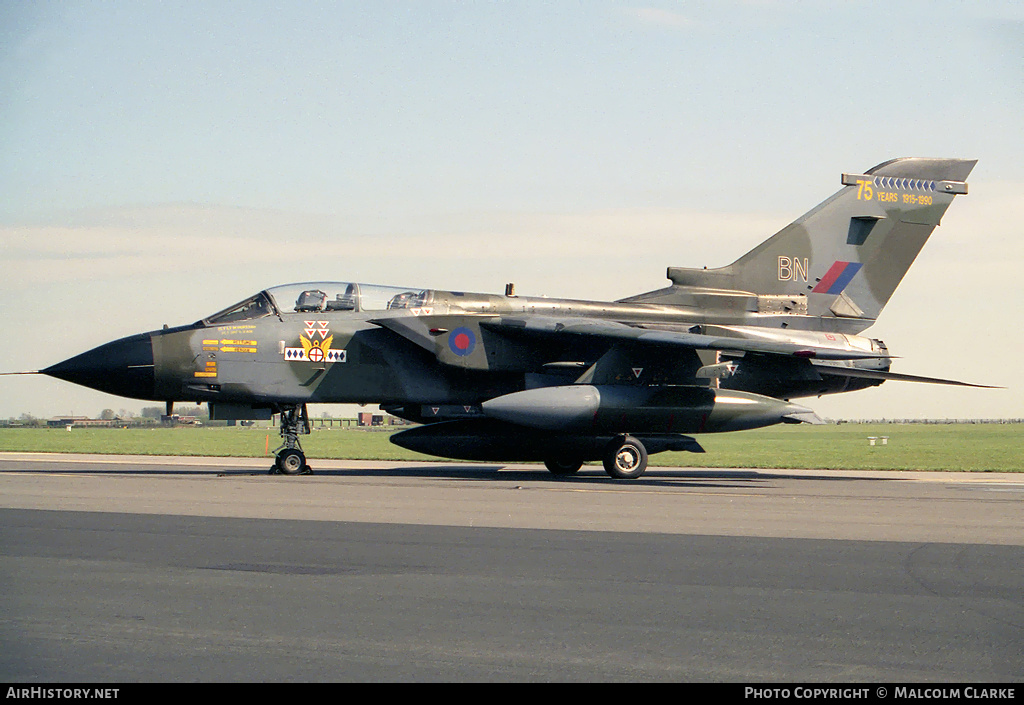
893	376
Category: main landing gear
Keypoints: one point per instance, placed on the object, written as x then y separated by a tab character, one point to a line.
290	458
625	458
563	467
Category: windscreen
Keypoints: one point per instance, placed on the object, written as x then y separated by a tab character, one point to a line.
256	306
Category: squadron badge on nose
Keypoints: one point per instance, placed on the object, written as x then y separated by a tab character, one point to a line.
316	345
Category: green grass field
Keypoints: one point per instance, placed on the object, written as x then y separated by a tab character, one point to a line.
973	447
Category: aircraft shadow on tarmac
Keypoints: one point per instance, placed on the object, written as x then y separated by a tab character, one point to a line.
588	475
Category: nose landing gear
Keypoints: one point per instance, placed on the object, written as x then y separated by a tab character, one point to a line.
290	458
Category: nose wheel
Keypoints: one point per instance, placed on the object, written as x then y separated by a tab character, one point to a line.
290	459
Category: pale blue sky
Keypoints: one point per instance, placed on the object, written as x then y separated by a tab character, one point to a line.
161	160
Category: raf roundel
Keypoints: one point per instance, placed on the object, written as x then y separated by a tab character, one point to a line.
462	341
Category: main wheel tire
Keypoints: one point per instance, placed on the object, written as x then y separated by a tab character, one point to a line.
625	459
291	462
562	467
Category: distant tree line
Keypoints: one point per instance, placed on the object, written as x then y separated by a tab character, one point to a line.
149	412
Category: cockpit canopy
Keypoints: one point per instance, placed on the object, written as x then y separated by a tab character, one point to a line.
313	297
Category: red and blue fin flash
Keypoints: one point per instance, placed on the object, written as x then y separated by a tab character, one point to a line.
837	277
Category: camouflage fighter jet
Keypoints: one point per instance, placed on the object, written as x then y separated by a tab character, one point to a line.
516	378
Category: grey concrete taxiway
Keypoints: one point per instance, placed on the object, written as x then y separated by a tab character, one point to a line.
201	569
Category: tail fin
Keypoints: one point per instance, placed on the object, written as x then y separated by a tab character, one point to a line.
848	255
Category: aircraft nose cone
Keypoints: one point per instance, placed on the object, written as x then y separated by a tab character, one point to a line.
123	367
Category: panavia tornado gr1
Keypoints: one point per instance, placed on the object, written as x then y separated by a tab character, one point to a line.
515	378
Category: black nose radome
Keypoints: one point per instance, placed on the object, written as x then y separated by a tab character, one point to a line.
123	367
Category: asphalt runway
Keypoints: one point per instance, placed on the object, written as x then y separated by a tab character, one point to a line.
125	569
